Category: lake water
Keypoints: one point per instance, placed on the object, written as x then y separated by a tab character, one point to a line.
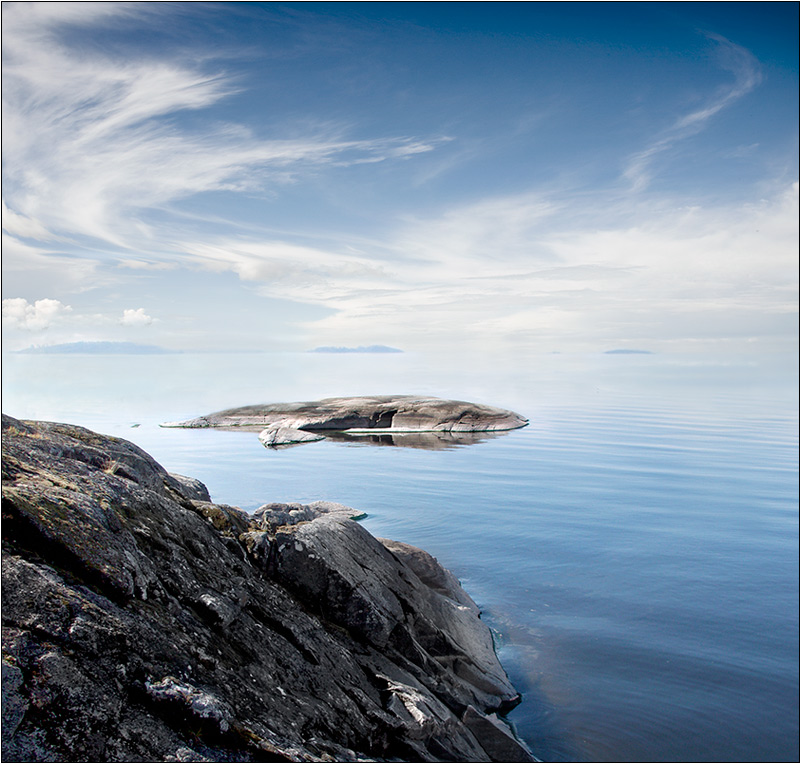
634	549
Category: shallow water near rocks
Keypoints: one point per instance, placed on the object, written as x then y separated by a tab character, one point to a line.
634	549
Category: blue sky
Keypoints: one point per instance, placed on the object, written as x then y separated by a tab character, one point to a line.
536	177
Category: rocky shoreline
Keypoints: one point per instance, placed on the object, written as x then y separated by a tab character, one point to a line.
143	622
391	415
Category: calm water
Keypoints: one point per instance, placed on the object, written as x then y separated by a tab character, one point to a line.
634	549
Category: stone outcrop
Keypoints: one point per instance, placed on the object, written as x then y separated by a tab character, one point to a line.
143	622
277	435
285	423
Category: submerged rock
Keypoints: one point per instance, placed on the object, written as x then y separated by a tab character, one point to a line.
143	622
285	423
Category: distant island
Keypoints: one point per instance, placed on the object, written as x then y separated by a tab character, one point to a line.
626	351
360	349
99	348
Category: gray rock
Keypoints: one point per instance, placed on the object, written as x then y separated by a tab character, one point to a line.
142	622
270	517
191	487
284	423
203	706
430	572
392	608
277	435
14	704
496	738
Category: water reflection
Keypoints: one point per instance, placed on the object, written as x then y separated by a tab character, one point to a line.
429	441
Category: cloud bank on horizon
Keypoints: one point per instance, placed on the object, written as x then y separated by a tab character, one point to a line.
531	176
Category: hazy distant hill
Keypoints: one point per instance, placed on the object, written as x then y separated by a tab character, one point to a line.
625	351
98	348
360	349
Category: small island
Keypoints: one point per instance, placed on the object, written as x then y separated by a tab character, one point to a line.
97	348
360	349
285	423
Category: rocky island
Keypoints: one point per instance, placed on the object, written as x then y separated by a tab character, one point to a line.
283	423
144	622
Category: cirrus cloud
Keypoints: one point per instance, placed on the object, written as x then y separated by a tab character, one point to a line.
91	143
747	75
516	269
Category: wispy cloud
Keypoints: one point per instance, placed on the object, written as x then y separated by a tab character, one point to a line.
747	75
32	267
90	141
515	269
99	151
427	260
24	227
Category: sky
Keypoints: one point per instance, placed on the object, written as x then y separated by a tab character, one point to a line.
531	177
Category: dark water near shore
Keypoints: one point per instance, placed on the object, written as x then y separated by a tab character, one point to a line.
634	549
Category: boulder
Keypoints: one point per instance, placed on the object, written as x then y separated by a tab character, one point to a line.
278	435
143	622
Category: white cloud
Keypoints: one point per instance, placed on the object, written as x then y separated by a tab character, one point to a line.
137	264
31	268
136	317
25	227
87	146
91	142
284	268
517	269
747	76
486	238
20	314
43	314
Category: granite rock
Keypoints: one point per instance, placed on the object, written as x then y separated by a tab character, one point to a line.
278	435
143	622
284	423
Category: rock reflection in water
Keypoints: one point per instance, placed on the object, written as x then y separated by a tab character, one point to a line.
430	441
